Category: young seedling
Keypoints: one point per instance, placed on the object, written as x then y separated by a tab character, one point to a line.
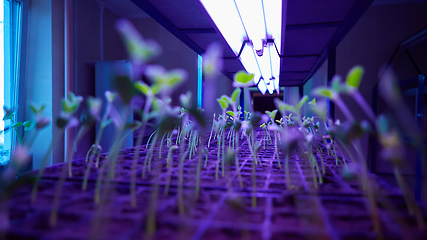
393	150
244	80
69	105
126	91
352	82
223	102
351	87
272	116
236	124
65	120
88	118
164	83
96	149
247	128
307	142
169	164
28	125
141	52
180	184
211	66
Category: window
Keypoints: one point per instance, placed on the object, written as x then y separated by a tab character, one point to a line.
10	42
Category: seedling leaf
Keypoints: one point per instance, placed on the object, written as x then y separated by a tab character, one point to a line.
223	102
8	114
133	125
237	126
110	96
382	124
167	124
354	77
255	118
106	123
17	124
243	79
33	108
124	87
29	125
185	100
235	95
271	114
336	83
301	102
143	88
197	114
323	92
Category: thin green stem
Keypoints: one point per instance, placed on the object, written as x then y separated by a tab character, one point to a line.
276	149
237	162
253	177
413	208
369	191
313	173
148	141
339	102
317	167
70	152
151	218
160	147
218	159
199	166
364	105
169	165
321	159
33	139
180	186
223	156
141	134
44	162
20	141
247	96
288	178
149	156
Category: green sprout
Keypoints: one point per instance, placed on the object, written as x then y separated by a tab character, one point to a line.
244	80
139	49
64	121
183	129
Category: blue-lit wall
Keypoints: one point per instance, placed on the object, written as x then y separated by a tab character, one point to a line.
320	78
44	76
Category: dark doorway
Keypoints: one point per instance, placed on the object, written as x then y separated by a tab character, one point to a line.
266	103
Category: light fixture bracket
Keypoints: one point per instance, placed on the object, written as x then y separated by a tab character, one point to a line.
261	51
241	48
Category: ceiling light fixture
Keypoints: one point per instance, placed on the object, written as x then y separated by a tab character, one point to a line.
253	30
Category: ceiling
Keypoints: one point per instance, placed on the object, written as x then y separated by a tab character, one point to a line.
388	2
124	8
313	29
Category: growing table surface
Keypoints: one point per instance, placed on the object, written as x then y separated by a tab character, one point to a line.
337	209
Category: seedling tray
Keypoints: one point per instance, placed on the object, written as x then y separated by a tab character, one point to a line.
337	209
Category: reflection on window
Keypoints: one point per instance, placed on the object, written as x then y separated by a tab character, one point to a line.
10	41
199	81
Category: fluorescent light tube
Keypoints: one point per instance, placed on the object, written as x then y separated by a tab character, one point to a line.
226	17
253	20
